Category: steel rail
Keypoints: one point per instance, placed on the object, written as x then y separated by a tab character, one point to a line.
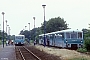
21	54
32	53
28	51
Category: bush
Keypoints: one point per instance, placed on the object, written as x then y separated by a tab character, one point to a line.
78	59
82	50
87	44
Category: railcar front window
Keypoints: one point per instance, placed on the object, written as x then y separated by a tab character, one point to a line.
67	35
79	35
74	35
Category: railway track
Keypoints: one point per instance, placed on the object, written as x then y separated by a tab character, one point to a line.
23	53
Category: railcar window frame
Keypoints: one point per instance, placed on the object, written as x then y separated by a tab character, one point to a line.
59	35
68	35
73	35
79	35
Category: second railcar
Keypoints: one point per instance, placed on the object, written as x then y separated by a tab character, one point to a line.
65	38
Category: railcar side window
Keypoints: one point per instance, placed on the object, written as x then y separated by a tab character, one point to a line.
67	35
79	35
22	37
62	35
58	35
73	35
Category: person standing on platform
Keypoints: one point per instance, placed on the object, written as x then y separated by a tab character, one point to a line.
6	43
34	42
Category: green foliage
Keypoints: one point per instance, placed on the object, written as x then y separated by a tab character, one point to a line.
12	37
26	39
26	33
32	33
82	50
0	35
86	33
55	24
79	59
87	44
0	42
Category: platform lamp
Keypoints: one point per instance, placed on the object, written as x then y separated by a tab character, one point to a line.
25	27
34	28
30	33
3	28
8	32
44	26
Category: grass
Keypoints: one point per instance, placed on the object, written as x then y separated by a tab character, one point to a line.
79	59
1	42
82	50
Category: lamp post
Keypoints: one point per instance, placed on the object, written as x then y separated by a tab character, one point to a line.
44	26
8	29
89	26
3	28
6	32
29	26
9	32
34	28
30	34
25	27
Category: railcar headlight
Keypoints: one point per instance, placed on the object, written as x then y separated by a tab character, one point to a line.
81	41
66	40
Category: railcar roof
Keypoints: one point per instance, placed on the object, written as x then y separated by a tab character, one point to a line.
19	35
68	30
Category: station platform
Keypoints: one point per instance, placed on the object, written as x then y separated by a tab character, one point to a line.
7	53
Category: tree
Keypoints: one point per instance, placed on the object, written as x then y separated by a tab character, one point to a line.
87	44
38	32
1	33
55	24
26	33
32	33
86	33
21	32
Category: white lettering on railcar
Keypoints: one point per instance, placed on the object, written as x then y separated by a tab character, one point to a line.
74	40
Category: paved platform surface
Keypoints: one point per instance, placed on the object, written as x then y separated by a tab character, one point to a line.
7	53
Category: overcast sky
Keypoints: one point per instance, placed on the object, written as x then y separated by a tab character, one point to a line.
19	13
